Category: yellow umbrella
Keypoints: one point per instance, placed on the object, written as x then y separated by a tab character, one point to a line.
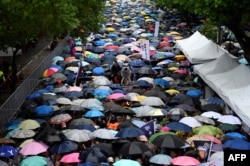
110	29
143	13
174	33
191	140
25	142
78	48
86	53
29	124
178	37
173	68
140	98
172	91
179	57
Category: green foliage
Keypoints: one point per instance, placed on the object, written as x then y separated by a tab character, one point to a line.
209	30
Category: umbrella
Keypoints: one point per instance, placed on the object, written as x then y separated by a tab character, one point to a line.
214	100
92	103
217	156
237	144
94	155
235	135
179	126
101	93
58	77
143	110
61	118
103	134
23	133
77	135
134	148
207	129
29	124
152	101
126	162
80	121
190	121
117	109
63	147
33	148
98	71
161	159
73	94
34	161
8	151
63	101
168	141
93	113
49	72
230	119
211	138
155	135
84	127
44	110
101	80
161	82
148	79
157	112
129	132
204	119
211	114
146	70
115	96
106	147
71	158
142	83
185	161
211	107
191	140
228	127
186	107
2	163
7	141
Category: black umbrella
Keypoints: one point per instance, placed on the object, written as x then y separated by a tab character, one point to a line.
63	147
211	107
168	141
117	109
156	93
134	148
80	121
94	155
146	70
106	148
187	107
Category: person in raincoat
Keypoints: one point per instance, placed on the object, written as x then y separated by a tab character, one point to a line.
115	72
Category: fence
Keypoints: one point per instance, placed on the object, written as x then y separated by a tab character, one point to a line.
12	105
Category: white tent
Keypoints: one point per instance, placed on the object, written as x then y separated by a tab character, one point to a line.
198	49
230	81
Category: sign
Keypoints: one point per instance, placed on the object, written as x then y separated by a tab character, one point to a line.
157	25
204	149
144	45
236	157
148	128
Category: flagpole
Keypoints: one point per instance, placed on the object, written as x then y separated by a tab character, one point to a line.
79	72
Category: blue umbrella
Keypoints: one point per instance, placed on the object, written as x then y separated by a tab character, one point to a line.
129	132
178	126
169	54
194	93
161	82
235	135
215	100
119	91
159	56
85	127
63	147
98	71
237	144
34	95
14	122
8	151
73	94
101	93
87	164
142	83
99	42
137	63
44	110
115	86
93	113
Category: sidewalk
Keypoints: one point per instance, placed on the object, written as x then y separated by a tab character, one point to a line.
28	61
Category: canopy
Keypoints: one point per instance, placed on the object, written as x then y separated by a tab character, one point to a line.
229	80
198	49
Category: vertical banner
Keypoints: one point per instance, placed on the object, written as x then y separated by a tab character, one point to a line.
204	149
144	45
157	25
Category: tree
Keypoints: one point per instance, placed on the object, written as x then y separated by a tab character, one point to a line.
233	14
22	20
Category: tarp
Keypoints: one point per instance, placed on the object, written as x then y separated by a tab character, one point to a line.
230	81
198	49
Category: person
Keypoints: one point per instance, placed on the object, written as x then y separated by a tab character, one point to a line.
115	70
114	124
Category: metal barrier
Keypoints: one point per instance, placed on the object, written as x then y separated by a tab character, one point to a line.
12	105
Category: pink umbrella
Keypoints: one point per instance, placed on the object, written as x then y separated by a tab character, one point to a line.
33	148
71	158
115	96
211	138
181	71
185	161
135	48
74	88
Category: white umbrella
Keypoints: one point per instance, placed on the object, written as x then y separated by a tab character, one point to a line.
64	101
148	79
92	103
77	101
77	135
143	110
152	101
101	80
105	88
190	121
23	134
204	119
60	89
217	156
132	96
161	159
211	114
230	119
103	134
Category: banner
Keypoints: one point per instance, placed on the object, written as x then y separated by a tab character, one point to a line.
204	149
148	128
144	45
157	25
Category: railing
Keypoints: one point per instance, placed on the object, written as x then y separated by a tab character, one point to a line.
12	105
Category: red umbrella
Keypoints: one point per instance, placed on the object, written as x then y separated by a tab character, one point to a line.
60	119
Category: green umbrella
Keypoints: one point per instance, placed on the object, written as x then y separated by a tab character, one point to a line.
34	161
207	129
154	136
228	127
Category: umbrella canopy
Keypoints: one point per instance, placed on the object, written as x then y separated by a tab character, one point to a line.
92	103
61	118
77	135
134	148
106	147
34	161
29	124
44	110
63	147
228	127
93	113
33	148
186	107
70	158
179	126
94	155
185	161
129	132
115	96
126	162
21	134
211	114
207	129
152	101
168	141
103	134
161	159
80	121
237	144
146	70
204	119
235	135
8	151
230	119
190	121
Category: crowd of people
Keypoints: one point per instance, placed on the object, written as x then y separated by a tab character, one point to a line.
107	102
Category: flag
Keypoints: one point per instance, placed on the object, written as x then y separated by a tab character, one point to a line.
148	128
204	149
